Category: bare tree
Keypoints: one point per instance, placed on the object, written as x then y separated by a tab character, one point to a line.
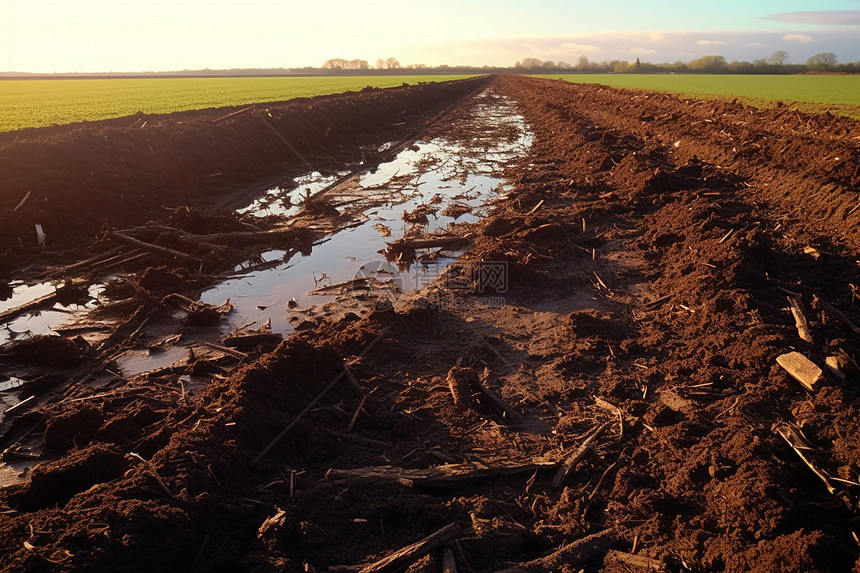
335	64
392	63
822	61
779	57
530	63
583	63
707	64
380	64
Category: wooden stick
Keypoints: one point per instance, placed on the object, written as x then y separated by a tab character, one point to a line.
195	241
536	207
153	248
94	259
232	237
355	283
800	321
603	476
726	236
574	555
120	260
575	458
14	408
636	561
411	553
658	301
251	340
183	302
358	411
428	242
231	351
499	404
235	113
24	200
449	476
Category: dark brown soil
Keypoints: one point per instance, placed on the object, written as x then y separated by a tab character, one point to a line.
649	245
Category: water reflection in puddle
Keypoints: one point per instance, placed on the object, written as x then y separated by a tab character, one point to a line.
430	175
285	201
137	361
43	321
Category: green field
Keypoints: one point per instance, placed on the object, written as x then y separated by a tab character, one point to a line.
35	103
813	93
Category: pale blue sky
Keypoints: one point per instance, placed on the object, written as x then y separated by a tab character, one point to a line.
143	35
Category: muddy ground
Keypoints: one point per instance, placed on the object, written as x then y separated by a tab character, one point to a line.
593	385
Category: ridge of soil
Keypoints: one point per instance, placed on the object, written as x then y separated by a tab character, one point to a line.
649	243
121	171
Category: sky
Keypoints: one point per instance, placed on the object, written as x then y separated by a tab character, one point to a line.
167	35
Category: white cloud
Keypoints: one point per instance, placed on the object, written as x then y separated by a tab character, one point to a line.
755	44
642	51
821	17
711	43
579	47
802	38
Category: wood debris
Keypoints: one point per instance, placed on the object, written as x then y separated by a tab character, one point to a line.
800	321
574	555
448	476
638	562
578	454
801	369
404	557
797	443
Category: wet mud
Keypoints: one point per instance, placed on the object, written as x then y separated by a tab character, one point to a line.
638	352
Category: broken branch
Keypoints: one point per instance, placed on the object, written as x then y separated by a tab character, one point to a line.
575	458
409	554
574	555
800	321
165	251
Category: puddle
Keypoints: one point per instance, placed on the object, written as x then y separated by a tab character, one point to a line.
11	383
43	321
434	183
22	294
426	179
14	472
138	361
286	200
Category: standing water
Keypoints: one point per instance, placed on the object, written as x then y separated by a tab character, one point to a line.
432	184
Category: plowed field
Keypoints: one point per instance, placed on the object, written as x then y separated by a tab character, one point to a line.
593	385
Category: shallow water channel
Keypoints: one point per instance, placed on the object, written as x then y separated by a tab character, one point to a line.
449	180
430	175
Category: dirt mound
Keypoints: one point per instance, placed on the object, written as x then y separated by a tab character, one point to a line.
73	179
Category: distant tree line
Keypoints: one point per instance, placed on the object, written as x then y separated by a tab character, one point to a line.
776	63
388	64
